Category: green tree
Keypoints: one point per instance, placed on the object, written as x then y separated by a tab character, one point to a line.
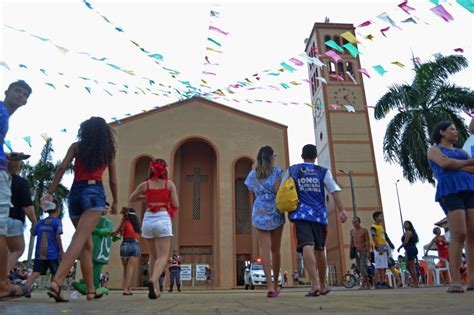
40	177
429	99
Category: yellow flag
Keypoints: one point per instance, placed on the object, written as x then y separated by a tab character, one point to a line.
62	49
397	63
295	83
129	72
369	37
350	37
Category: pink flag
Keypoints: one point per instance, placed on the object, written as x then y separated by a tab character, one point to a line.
383	30
405	7
315	51
337	77
297	62
212	28
365	72
207	59
440	11
235	86
334	106
256	76
366	23
333	55
274	87
459	50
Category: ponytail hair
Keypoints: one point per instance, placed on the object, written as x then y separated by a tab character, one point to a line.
158	169
131	216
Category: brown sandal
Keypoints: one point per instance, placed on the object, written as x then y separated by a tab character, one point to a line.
94	295
151	291
56	295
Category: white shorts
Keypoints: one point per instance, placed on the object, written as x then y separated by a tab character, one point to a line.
5	200
381	260
157	224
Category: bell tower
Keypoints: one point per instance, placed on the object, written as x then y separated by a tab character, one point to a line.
342	132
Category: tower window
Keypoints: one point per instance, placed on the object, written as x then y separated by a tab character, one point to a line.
326	38
337	39
340	68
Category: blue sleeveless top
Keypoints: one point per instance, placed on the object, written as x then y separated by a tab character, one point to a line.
451	181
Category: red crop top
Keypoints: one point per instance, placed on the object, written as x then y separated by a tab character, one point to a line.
128	231
161	195
80	172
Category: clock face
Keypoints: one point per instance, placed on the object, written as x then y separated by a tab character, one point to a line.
318	108
345	96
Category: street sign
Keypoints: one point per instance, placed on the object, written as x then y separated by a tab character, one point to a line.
186	273
201	272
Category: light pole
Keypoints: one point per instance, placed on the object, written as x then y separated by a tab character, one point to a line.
354	207
399	207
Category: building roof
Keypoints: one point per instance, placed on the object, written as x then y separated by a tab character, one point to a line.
202	101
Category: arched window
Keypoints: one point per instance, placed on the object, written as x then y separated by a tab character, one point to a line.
331	67
337	39
326	38
340	68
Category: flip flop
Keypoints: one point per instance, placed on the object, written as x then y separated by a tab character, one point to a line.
127	293
94	295
312	293
56	295
470	289
151	291
455	289
325	292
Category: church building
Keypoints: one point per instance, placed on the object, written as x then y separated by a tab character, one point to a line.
210	148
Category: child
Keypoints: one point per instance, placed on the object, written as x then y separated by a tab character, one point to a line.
49	248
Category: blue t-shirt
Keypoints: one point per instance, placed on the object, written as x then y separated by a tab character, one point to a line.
46	244
311	181
4	117
451	181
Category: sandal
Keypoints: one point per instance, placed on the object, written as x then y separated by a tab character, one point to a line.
455	289
127	293
56	295
272	294
151	291
312	293
94	295
325	292
470	289
14	293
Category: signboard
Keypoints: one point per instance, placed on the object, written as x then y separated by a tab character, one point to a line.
186	273
201	272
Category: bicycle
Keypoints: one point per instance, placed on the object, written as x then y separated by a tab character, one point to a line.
351	279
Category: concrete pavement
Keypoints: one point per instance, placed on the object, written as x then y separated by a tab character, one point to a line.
291	301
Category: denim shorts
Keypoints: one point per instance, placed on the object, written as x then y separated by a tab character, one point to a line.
85	197
42	266
5	200
15	227
458	201
130	248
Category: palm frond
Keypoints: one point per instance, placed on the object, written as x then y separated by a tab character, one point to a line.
396	97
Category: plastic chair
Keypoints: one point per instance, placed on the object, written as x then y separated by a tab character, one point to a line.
435	271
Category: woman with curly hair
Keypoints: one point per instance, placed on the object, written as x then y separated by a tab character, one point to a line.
93	153
129	229
162	201
264	181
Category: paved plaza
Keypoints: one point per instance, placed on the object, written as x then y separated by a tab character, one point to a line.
291	301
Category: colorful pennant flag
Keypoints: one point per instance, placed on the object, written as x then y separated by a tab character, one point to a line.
8	144
379	69
352	49
350	38
333	55
440	11
28	140
331	43
405	7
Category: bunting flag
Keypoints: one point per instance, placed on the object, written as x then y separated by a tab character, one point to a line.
8	144
45	136
209	73
335	106
440	11
214	50
350	38
350	108
459	50
349	74
352	49
287	67
366	23
405	7
214	41
331	43
385	17
334	56
4	64
64	130
28	140
322	80
337	77
397	63
379	69
297	62
409	20
364	72
50	84
369	37
383	30
213	28
466	4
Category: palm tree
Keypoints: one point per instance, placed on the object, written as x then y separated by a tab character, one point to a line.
40	177
429	99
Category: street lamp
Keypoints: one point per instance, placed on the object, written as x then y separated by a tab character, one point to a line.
354	207
399	207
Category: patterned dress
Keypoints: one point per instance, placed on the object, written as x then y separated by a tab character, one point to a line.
265	215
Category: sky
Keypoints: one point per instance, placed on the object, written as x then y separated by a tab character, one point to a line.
261	35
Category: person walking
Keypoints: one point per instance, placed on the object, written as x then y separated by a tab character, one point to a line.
453	170
16	95
93	153
263	182
409	241
161	199
129	230
311	215
382	248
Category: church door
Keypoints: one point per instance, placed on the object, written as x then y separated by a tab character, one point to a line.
196	197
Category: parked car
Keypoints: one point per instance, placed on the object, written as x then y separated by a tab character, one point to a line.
254	276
